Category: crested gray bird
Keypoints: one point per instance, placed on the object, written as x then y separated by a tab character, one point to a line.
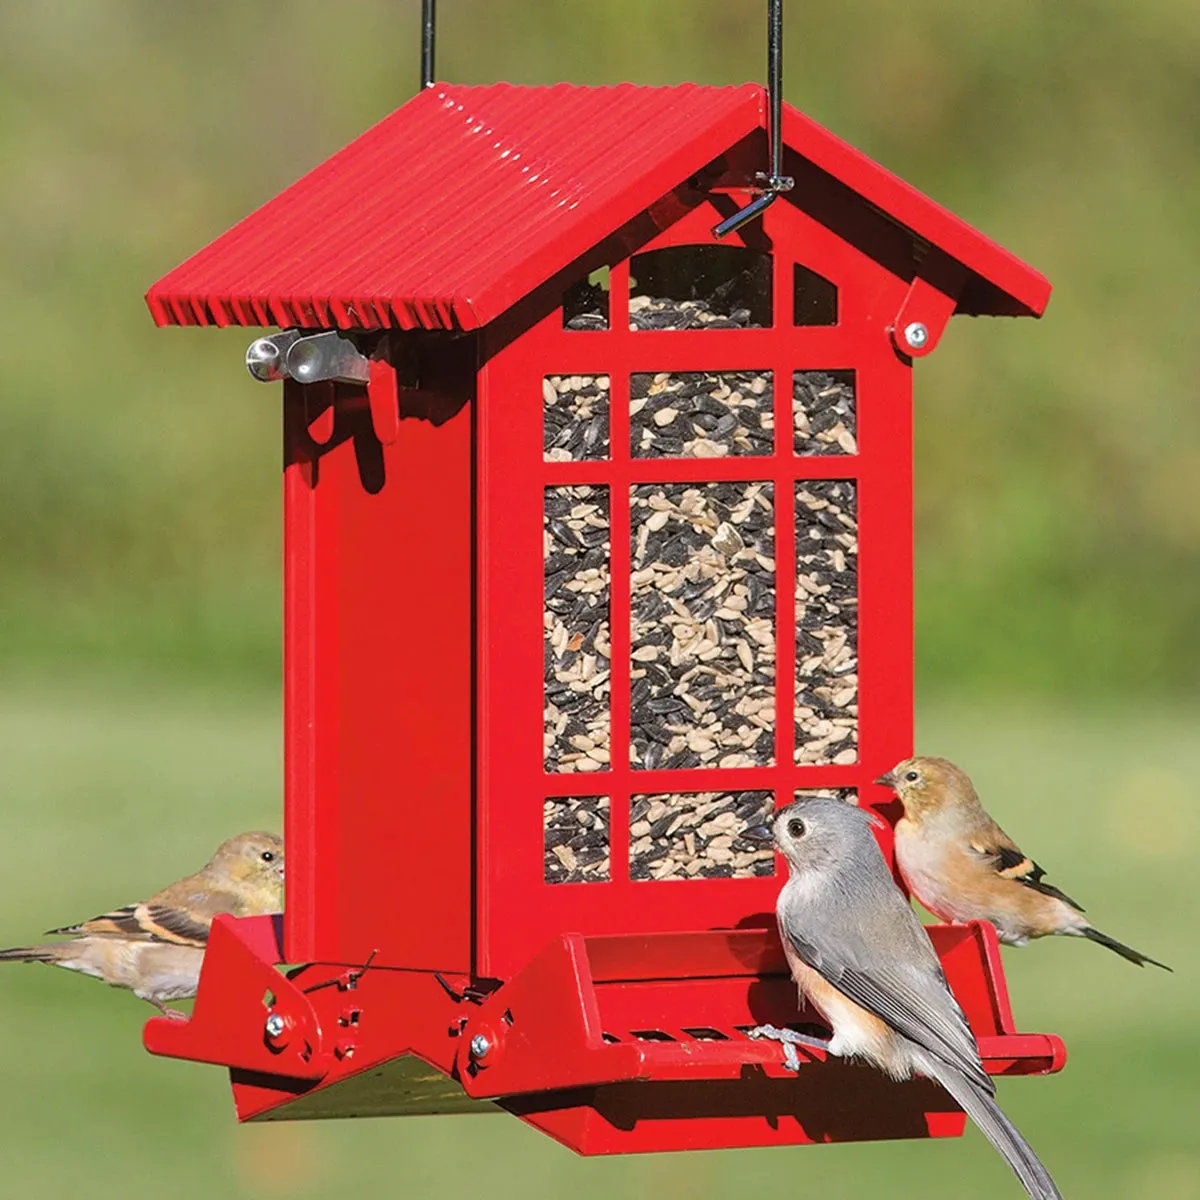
860	956
156	948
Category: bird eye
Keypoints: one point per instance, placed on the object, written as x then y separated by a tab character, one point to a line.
912	776
795	827
268	856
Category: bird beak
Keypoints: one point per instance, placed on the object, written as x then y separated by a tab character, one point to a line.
887	780
758	833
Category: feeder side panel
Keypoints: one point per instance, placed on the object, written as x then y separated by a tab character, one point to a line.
377	685
518	908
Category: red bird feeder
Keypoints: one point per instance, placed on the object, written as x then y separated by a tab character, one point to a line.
598	547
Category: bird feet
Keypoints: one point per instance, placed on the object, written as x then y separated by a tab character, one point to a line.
172	1014
789	1039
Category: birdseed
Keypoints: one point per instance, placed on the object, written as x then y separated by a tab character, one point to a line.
823	412
576	616
661	313
826	622
697	835
585	306
702	634
575	417
576	839
700	414
846	795
700	287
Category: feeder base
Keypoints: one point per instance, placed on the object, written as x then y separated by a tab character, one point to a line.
610	1045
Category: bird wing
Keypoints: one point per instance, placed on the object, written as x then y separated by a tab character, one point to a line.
119	922
145	922
1008	861
921	1009
181	914
177	925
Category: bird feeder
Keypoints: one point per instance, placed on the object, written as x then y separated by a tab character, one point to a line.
598	547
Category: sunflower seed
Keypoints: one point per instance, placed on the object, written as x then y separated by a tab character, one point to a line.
689	842
826	707
576	839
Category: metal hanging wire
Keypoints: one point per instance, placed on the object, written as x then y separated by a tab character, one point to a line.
428	30
775	182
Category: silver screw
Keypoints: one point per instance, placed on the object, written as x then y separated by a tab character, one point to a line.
480	1046
916	335
275	1025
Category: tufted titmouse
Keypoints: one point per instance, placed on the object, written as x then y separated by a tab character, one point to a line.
963	867
156	948
860	956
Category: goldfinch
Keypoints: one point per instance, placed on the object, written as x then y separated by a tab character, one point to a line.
963	867
155	948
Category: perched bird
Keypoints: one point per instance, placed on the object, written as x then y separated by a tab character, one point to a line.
155	948
861	957
963	867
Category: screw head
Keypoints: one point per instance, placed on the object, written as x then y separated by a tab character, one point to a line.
265	361
275	1025
480	1046
916	335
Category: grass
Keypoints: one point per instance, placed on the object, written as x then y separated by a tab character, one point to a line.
108	792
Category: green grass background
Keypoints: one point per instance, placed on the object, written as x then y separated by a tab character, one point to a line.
1058	522
109	791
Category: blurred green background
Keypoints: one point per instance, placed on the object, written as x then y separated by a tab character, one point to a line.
1058	493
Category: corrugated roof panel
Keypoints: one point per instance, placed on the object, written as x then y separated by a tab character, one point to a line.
466	198
456	195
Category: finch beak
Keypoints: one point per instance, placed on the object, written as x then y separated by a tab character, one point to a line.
758	833
887	780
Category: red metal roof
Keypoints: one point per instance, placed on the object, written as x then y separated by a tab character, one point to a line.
466	198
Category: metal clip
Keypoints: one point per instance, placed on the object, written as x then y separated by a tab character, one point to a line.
307	358
325	356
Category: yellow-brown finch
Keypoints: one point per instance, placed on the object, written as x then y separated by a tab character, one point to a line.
963	867
155	948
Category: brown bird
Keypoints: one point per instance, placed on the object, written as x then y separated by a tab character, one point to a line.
155	948
963	867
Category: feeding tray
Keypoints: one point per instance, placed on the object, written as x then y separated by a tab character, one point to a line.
609	1044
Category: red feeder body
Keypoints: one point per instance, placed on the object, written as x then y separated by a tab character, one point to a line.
430	770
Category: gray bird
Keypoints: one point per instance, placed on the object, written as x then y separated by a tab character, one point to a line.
858	953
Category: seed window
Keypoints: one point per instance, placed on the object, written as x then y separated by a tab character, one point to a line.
700	414
576	839
698	836
585	304
815	298
702	633
826	622
823	412
700	287
845	795
576	620
575	417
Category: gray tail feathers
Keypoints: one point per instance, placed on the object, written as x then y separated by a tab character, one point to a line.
1000	1131
1128	952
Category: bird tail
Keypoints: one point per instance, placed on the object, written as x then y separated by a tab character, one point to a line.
1128	952
999	1130
30	954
